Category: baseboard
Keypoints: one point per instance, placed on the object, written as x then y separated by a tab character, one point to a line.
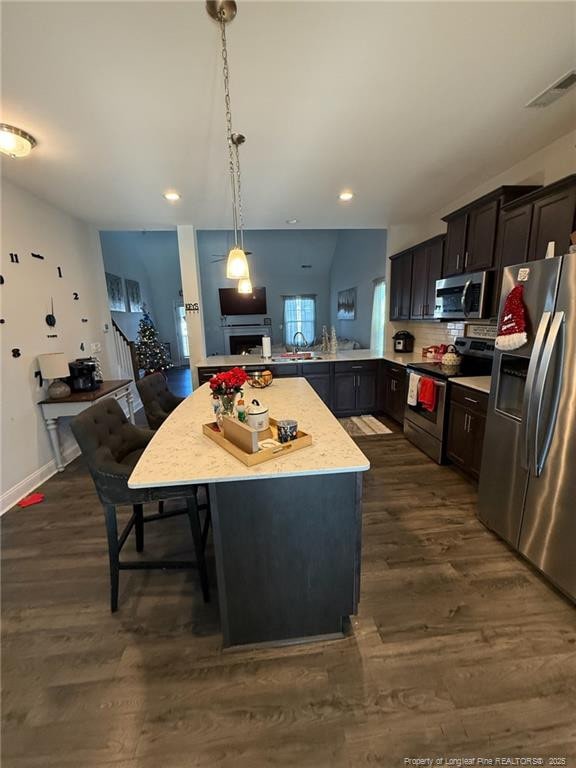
13	495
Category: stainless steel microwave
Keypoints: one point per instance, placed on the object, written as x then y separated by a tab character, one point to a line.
463	297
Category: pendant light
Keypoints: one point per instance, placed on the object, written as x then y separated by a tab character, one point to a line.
245	285
223	11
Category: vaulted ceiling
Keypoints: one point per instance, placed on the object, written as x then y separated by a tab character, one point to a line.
409	104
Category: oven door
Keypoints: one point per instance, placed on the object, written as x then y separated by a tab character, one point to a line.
431	422
463	296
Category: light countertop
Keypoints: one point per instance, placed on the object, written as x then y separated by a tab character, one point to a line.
351	355
180	454
481	383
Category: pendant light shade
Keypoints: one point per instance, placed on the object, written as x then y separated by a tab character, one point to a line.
237	264
245	285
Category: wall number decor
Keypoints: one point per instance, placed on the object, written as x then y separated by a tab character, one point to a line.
14	258
84	319
193	307
16	352
59	271
37	255
1	280
2	321
75	296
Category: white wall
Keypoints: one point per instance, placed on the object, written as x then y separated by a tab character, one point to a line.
31	225
359	258
151	258
549	164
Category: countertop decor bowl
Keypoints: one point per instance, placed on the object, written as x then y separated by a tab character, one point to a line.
261	379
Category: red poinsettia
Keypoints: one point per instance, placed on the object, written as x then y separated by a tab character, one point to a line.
228	382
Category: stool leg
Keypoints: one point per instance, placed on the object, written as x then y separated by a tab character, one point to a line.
194	517
139	526
160	507
113	553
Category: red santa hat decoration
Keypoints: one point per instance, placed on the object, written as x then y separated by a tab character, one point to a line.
512	326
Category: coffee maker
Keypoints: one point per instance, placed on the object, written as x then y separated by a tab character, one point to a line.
83	375
403	341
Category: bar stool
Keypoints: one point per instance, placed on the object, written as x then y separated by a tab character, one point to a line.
111	446
157	399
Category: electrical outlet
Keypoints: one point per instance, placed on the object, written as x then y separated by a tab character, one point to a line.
96	347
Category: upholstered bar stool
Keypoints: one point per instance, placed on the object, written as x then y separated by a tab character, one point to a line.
157	399
111	446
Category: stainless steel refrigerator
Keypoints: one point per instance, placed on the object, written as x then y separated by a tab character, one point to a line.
527	490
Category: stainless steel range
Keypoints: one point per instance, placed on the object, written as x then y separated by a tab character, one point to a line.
427	429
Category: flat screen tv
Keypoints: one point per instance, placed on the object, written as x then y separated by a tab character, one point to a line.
234	303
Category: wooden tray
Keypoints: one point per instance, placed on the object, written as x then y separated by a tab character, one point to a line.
264	454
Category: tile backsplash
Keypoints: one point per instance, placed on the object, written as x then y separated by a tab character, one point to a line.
427	334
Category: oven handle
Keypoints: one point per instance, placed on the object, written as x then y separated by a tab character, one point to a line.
464	297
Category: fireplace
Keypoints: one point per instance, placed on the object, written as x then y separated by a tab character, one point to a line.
244	343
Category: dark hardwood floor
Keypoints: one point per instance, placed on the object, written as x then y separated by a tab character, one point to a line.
460	649
179	381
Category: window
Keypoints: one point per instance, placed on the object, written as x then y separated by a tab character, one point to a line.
299	317
377	331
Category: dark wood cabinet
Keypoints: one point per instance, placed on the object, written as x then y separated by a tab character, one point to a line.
481	239
472	231
355	388
393	390
400	285
426	269
321	382
466	425
512	245
455	244
552	220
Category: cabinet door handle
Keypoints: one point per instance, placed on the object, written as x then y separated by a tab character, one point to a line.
471	400
393	385
465	422
357	367
395	370
457	262
466	260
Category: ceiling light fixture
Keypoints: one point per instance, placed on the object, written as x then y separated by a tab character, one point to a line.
15	142
245	285
223	11
346	196
172	197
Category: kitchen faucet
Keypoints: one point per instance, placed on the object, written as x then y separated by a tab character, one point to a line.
294	345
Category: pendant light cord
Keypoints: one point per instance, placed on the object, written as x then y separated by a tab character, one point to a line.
234	157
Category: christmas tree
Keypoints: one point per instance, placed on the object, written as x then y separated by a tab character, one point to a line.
152	355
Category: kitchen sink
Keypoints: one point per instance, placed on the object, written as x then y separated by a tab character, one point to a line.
292	357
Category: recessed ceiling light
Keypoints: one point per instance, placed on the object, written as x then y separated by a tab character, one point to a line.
15	142
172	196
345	196
291	221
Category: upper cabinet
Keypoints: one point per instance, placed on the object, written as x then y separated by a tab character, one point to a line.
400	293
427	262
553	218
471	235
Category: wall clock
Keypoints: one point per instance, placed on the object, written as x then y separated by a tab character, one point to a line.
50	318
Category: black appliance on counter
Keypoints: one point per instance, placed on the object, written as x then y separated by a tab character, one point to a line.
427	429
403	341
83	376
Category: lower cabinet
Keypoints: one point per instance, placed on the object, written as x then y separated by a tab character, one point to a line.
355	388
393	391
318	375
466	425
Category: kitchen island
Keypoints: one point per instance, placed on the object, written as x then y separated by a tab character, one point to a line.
287	533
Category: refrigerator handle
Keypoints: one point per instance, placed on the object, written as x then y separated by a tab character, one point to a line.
556	332
527	406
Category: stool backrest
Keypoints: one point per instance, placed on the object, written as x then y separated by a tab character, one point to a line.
157	399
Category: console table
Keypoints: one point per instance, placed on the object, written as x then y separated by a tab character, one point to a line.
52	410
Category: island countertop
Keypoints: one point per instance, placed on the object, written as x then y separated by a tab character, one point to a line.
180	454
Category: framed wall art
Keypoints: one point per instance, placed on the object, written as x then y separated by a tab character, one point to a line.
134	298
116	297
346	304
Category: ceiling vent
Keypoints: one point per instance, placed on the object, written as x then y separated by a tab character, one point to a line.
554	91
